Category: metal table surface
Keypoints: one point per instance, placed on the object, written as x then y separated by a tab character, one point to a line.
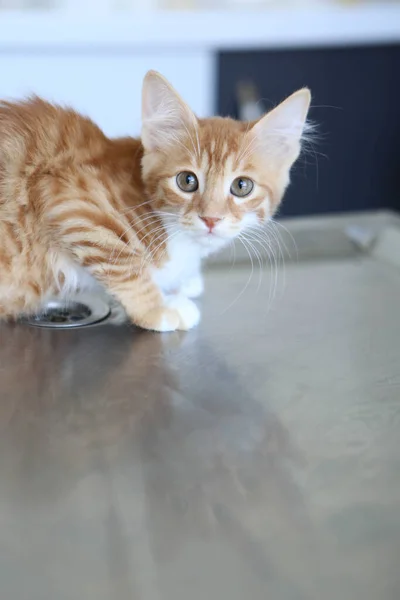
255	457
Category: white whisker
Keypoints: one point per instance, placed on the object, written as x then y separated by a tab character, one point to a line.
252	241
134	207
243	241
152	254
275	223
265	242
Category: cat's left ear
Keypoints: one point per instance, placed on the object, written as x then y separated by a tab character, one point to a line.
280	131
165	116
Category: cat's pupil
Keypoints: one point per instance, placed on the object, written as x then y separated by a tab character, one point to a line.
189	179
242	184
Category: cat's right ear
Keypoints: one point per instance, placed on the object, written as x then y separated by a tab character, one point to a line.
165	116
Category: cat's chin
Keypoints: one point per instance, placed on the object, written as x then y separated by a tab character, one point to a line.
209	242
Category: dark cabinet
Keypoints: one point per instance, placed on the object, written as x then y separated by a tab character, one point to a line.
356	103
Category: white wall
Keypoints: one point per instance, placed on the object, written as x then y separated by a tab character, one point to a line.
106	85
97	64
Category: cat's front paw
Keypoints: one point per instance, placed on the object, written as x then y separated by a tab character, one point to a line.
178	313
184	309
193	288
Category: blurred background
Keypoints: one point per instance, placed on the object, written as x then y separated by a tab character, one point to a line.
231	57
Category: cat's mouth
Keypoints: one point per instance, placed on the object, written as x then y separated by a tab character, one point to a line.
208	235
210	238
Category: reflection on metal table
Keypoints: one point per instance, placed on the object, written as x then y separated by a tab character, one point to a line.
255	457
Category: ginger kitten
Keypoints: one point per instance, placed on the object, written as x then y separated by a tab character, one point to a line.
136	215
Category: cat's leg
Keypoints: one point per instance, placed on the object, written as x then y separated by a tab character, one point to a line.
120	267
122	274
193	287
148	308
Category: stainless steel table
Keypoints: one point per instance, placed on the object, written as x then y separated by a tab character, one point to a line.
256	457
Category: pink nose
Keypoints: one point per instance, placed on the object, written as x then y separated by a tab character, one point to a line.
211	221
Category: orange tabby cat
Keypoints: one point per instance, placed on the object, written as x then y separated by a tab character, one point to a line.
137	216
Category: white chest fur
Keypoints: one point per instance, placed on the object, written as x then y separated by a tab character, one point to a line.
184	264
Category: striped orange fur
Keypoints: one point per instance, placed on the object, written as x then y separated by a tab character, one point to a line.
77	207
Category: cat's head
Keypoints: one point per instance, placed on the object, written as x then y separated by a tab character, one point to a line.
215	177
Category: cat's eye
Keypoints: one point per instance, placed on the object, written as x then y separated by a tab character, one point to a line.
187	181
242	186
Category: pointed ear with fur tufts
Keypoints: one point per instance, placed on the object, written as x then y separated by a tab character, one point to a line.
279	133
165	116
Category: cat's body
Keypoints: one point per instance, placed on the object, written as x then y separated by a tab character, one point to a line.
77	208
96	181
